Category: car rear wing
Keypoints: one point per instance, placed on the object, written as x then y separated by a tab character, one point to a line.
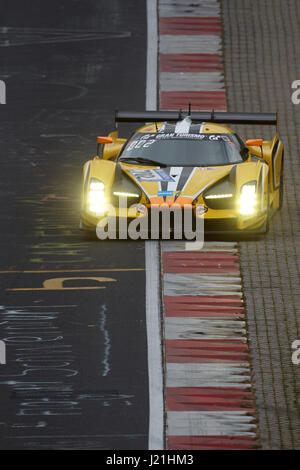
217	117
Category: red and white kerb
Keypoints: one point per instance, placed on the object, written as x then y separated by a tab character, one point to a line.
190	55
209	402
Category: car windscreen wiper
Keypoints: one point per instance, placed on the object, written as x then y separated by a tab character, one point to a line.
142	161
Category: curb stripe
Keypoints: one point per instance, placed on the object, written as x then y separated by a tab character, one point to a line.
189	44
190	25
190	63
202	263
203	328
198	284
205	423
186	8
210	398
207	375
200	81
211	442
211	247
202	100
205	351
203	306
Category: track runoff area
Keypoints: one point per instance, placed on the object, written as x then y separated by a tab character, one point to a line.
201	392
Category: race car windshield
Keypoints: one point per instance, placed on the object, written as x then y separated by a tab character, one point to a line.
183	149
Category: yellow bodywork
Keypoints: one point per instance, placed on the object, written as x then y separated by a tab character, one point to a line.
263	166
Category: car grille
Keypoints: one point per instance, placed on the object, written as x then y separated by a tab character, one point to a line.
221	225
119	201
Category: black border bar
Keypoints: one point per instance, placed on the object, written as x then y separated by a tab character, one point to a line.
217	117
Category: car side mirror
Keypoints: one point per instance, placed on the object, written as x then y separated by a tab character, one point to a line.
101	141
254	142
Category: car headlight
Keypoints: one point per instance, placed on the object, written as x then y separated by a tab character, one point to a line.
123	194
96	197
248	199
220	196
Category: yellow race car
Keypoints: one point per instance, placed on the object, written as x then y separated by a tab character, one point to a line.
192	159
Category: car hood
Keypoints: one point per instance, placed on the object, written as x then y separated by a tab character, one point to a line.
182	184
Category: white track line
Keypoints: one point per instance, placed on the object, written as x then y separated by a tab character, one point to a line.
152	50
155	369
152	265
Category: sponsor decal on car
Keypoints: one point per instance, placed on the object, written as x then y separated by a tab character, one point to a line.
165	193
151	175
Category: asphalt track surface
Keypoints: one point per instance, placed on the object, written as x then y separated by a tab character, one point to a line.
76	373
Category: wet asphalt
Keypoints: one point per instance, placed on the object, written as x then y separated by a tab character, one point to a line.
76	370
